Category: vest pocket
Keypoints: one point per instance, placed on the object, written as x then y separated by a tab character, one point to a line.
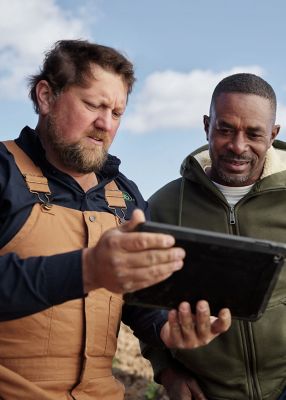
103	313
115	309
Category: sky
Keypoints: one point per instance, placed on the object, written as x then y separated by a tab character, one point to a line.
180	49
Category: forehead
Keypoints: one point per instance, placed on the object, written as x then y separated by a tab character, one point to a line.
101	74
105	83
242	106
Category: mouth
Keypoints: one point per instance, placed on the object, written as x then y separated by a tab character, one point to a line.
97	140
235	165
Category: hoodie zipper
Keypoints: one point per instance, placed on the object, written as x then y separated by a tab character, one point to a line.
232	219
250	370
255	392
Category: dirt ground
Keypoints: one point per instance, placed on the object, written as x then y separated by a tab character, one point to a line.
133	370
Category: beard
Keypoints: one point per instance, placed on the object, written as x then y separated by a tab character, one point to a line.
232	179
76	156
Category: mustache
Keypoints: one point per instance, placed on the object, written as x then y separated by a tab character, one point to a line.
236	158
97	134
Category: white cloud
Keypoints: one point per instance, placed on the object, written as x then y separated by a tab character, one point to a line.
281	114
27	29
175	100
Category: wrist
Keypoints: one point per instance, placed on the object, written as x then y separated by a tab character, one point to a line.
166	376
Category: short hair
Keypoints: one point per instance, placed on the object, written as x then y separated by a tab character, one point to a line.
247	84
69	63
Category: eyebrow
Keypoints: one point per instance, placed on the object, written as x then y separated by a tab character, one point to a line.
224	124
103	102
221	123
254	128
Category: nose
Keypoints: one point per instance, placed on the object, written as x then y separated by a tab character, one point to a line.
238	143
103	120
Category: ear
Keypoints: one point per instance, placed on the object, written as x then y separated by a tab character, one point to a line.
274	133
206	126
44	97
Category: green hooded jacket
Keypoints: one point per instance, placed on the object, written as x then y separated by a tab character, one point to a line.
248	361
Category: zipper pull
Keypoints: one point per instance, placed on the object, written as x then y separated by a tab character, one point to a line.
231	216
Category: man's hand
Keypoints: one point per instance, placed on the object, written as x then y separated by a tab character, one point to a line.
125	261
180	385
185	330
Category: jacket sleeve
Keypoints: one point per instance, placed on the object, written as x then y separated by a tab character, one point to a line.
31	285
146	324
160	359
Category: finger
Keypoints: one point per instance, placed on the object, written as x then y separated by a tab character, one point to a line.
222	323
139	278
203	324
138	269
141	241
175	333
195	390
158	258
137	217
150	261
186	320
137	241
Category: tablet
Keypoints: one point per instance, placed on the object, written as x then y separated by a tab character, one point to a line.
226	270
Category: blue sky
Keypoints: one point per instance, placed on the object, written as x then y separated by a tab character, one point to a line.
181	49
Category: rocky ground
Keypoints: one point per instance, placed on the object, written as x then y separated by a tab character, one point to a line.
134	371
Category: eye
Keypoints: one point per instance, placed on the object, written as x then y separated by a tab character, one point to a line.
225	131
254	135
90	106
116	114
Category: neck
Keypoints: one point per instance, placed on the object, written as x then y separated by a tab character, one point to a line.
86	181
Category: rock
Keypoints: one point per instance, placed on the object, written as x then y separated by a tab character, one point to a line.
133	370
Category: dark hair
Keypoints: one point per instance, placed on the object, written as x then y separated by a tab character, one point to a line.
247	84
69	63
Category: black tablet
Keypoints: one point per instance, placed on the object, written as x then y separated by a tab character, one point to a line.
226	270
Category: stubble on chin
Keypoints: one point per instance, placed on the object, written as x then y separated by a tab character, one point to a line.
232	180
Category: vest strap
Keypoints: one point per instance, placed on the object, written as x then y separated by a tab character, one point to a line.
34	178
114	197
37	182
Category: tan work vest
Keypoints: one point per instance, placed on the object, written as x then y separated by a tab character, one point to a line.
66	351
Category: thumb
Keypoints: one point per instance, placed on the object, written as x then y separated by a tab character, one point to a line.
137	217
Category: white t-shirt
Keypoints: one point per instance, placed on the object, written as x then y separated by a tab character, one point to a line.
233	194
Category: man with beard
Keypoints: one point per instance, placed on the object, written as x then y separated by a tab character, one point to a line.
236	185
67	254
